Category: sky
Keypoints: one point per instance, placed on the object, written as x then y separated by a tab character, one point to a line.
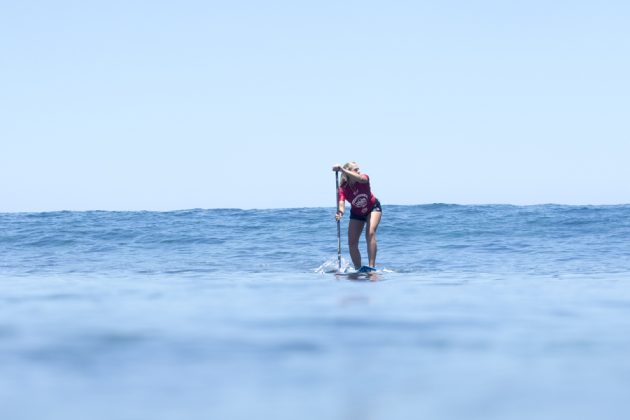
166	105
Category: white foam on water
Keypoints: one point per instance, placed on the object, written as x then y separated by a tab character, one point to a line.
331	265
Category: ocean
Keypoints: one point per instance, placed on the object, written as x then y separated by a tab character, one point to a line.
488	312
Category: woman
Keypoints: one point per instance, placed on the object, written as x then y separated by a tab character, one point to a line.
355	187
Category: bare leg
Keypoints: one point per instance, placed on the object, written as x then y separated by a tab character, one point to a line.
370	236
355	227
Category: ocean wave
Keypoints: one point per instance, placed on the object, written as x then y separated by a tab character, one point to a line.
439	237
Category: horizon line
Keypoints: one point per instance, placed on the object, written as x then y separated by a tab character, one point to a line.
304	207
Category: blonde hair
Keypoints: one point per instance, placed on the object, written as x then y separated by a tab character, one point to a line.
348	166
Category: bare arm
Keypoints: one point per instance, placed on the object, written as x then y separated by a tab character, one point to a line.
341	208
351	174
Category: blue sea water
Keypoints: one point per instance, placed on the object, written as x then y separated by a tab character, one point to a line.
478	312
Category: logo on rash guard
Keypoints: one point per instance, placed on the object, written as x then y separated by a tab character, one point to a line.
361	202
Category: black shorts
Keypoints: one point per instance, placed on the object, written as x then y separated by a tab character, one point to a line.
377	207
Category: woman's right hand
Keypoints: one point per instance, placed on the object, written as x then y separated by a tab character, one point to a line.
339	215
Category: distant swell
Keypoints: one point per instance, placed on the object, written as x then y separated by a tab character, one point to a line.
436	238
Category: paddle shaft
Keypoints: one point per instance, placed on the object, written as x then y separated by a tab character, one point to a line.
338	221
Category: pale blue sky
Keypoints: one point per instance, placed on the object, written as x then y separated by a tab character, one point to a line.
160	105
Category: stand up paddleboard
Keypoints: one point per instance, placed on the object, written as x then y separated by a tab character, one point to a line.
363	273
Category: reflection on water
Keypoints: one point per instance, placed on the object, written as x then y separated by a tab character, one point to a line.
311	346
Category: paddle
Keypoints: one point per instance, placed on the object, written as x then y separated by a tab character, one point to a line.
338	222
